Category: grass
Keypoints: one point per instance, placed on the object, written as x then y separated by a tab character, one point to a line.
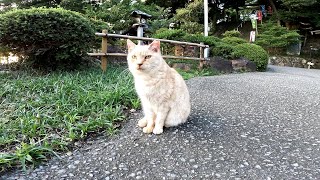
44	114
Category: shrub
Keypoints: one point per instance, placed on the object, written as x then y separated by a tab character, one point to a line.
274	36
47	37
198	38
253	53
231	34
171	34
192	27
233	40
222	49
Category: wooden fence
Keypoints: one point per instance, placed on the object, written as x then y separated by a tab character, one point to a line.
104	48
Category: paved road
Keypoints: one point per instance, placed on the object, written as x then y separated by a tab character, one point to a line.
242	126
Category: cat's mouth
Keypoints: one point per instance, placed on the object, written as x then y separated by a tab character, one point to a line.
139	68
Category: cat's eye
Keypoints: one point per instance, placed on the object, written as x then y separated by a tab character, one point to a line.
148	57
134	57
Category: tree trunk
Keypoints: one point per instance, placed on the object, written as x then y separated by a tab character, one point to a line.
275	11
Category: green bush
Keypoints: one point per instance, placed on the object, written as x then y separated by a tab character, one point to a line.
272	35
222	49
231	34
172	34
192	27
198	38
253	53
47	37
233	40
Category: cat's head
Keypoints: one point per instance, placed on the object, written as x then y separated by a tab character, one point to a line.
144	58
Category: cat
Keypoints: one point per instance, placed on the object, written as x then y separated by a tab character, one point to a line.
163	93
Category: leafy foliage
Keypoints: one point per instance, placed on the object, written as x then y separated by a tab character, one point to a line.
74	5
233	40
222	49
295	11
192	27
35	3
252	52
171	34
274	36
24	155
168	3
47	37
198	38
298	3
118	14
191	17
231	34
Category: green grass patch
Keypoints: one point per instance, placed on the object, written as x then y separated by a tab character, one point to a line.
43	114
196	72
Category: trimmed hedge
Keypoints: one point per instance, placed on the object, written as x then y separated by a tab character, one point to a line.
222	49
171	34
254	53
47	37
198	38
233	40
231	34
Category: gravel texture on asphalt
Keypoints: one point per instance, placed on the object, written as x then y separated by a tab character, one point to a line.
242	126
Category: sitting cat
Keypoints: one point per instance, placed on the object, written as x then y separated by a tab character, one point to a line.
163	93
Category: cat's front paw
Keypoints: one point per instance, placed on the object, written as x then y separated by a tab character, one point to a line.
147	130
142	122
157	130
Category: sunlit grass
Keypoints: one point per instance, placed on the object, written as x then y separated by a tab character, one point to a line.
43	114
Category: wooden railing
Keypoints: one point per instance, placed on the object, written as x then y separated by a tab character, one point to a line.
104	48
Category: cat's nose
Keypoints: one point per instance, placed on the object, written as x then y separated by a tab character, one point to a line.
140	64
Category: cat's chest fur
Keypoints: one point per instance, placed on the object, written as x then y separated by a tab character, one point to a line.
155	89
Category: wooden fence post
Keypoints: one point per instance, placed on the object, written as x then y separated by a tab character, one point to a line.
104	49
201	56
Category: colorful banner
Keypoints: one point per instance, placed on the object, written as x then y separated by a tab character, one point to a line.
259	15
263	9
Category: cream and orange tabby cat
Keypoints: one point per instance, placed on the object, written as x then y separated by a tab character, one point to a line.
163	93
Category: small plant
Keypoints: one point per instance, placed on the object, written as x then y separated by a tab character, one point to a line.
253	53
26	154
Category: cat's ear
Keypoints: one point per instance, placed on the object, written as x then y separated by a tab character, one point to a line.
130	45
155	46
